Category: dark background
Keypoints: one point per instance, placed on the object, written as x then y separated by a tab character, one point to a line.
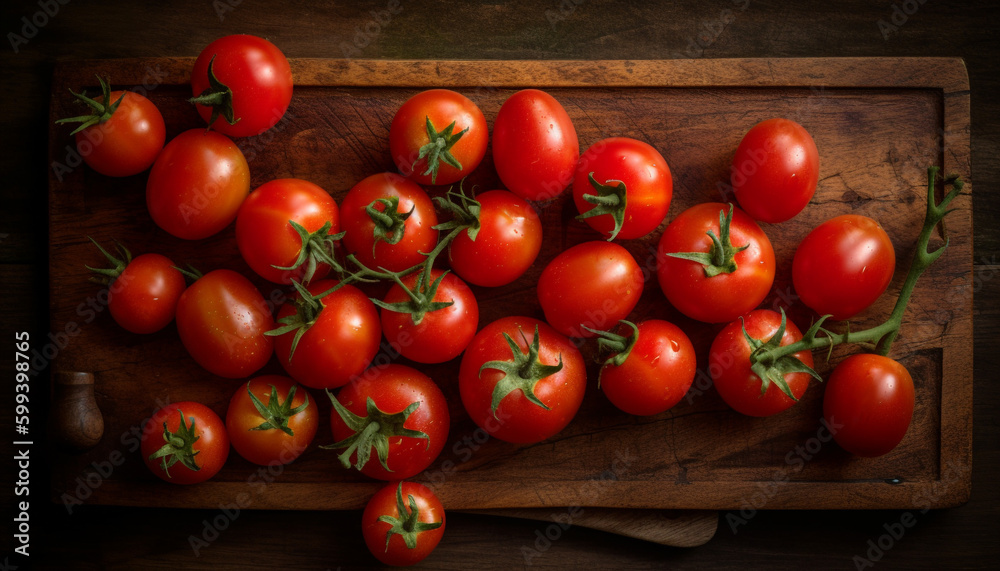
95	537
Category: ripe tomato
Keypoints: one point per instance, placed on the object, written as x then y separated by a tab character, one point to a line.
629	187
521	380
775	170
843	266
729	365
400	239
249	86
403	523
269	241
745	264
438	137
535	148
593	284
184	443
653	370
221	319
441	334
341	337
868	404
276	424
123	134
395	410
197	184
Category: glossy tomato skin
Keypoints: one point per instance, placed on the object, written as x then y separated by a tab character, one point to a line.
418	235
535	147
221	319
271	446
382	503
143	299
657	372
408	133
128	142
211	447
393	388
729	365
868	404
197	184
508	241
648	185
442	334
594	284
264	235
341	343
517	419
843	266
257	73
724	297
775	170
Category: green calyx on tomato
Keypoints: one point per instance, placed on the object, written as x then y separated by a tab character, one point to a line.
101	111
276	413
771	370
421	297
107	275
308	308
178	447
464	213
721	259
610	199
371	431
439	149
523	373
389	223
317	248
620	345
218	96
408	524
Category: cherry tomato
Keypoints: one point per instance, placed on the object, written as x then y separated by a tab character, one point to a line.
221	319
184	443
277	427
438	137
632	174
593	284
403	523
775	170
255	90
197	184
502	400
843	266
868	404
535	148
728	294
266	237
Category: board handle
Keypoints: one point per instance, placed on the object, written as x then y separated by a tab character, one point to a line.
78	424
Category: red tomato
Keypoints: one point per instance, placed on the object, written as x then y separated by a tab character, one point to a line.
505	403
438	137
197	184
634	177
255	90
655	372
594	284
278	427
775	170
410	419
403	523
415	234
341	338
507	241
727	295
868	404
442	334
729	365
184	443
267	239
535	148
221	319
843	266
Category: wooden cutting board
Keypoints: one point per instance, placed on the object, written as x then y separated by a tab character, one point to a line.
878	123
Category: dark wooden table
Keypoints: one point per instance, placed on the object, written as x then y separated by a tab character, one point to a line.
97	537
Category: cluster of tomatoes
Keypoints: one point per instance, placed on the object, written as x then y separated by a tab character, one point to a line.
521	379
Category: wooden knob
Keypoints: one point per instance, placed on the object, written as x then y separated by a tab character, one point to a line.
77	420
